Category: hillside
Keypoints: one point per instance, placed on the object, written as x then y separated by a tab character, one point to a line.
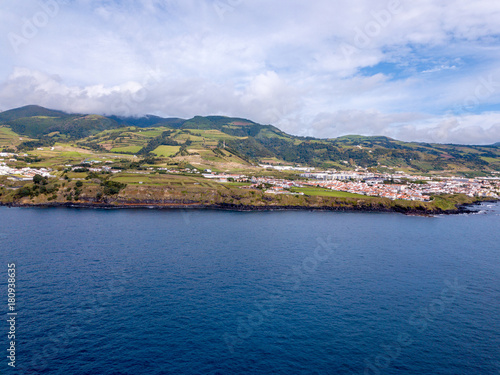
148	121
37	122
29	111
213	141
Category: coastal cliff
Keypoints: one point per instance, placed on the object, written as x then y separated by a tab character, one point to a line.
232	198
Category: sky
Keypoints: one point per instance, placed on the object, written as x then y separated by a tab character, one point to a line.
424	70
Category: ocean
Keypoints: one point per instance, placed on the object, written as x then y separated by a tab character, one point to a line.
144	291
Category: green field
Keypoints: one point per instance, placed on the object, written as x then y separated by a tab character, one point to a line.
212	134
237	184
76	174
491	160
127	149
134	179
171	180
150	133
447	201
70	154
166	151
326	193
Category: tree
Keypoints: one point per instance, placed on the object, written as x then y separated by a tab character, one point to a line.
37	179
24	192
112	187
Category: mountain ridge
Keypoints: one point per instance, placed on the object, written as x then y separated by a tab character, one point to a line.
148	120
215	136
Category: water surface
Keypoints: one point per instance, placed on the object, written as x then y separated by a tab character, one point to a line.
212	292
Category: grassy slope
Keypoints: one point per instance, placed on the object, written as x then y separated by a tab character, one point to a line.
8	138
342	153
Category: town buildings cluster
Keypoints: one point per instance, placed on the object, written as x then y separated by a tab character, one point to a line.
22	174
404	186
392	186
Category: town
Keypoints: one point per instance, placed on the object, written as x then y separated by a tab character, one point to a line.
397	185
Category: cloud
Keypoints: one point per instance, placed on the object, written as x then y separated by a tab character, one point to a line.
266	98
440	68
467	129
289	63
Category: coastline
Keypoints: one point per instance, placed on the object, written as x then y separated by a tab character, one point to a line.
460	209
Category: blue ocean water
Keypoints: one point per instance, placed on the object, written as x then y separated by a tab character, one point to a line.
218	292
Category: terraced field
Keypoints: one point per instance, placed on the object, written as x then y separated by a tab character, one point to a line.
225	143
166	151
8	138
126	149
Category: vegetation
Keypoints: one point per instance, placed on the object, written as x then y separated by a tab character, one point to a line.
219	138
120	160
312	191
112	187
41	185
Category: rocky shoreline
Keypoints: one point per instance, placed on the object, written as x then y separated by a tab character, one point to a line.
461	209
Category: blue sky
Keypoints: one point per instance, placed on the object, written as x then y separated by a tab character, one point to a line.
425	71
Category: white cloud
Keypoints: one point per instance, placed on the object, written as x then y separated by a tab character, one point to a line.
440	68
289	63
467	129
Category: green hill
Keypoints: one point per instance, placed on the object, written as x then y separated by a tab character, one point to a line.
35	122
148	121
219	138
30	111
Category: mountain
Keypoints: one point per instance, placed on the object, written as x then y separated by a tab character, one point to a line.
220	137
30	111
35	121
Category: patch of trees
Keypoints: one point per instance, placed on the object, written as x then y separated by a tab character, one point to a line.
30	159
470	159
182	151
249	148
40	185
112	187
74	126
92	145
244	131
489	154
33	126
31	145
238	154
217	151
78	127
149	160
